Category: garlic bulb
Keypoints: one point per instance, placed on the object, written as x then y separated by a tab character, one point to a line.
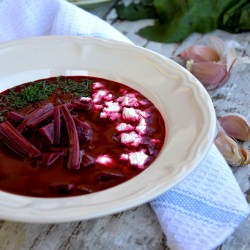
236	126
212	64
200	53
230	149
211	74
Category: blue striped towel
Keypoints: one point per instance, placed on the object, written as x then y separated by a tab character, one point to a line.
204	209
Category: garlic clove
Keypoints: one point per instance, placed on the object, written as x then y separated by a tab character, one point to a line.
210	74
246	155
212	64
241	60
227	52
231	59
236	126
218	45
200	53
234	154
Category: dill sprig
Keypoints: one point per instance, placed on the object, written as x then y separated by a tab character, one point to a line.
74	88
15	99
38	91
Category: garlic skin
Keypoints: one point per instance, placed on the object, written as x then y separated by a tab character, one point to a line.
200	53
210	74
236	126
234	154
213	64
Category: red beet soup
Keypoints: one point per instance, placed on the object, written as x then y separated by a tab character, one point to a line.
74	135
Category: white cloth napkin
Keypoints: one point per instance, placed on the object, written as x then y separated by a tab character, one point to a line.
202	210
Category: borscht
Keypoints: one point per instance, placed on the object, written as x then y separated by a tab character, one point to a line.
74	135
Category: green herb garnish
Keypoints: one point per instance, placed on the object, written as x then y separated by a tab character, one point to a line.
81	88
32	93
37	91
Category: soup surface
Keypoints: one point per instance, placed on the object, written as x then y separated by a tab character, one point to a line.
66	136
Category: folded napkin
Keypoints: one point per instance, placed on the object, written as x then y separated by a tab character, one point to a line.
202	210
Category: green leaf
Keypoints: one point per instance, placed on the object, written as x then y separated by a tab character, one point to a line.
161	32
136	11
181	18
237	18
177	19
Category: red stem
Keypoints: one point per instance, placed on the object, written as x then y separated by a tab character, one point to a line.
36	117
57	125
74	149
14	118
17	142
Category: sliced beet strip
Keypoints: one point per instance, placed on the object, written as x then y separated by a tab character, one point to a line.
48	132
85	188
74	149
35	118
14	118
61	188
82	106
87	161
108	175
39	116
57	125
49	158
84	131
17	142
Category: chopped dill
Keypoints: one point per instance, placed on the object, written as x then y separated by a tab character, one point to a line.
38	91
16	99
81	88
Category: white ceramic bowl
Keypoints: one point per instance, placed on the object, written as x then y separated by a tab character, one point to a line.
183	102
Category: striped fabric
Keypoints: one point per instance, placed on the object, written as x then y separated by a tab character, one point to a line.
204	209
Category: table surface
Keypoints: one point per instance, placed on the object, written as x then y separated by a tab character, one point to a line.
138	228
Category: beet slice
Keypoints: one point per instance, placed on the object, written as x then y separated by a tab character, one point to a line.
61	188
57	125
84	131
85	189
48	132
108	175
17	142
82	106
73	162
87	161
49	158
36	117
14	118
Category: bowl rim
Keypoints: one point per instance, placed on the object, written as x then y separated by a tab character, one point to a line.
36	210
